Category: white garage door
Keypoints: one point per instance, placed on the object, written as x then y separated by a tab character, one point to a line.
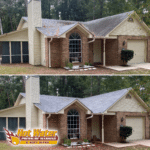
139	48
138	126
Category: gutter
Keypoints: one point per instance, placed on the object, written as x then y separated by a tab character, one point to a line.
49	51
47	119
92	40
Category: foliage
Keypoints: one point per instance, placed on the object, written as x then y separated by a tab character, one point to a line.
86	63
70	65
11	11
85	140
74	86
125	131
127	55
67	141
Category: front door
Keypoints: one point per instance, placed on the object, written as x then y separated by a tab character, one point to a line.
97	49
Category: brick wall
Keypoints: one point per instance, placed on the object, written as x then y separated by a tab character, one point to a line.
47	52
60	49
59	122
111	48
124	114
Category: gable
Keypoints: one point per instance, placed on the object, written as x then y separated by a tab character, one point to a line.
78	105
80	28
21	35
22	101
134	28
14	112
127	104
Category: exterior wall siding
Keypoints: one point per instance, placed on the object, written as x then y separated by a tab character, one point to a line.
22	101
19	36
34	20
130	28
15	112
40	119
43	61
32	96
25	25
128	105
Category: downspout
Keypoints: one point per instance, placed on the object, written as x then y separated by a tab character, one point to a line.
104	54
89	43
86	122
103	128
49	52
47	119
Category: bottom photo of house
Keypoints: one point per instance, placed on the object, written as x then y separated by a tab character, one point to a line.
83	111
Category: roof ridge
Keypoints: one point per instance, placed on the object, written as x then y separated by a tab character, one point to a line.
108	16
84	97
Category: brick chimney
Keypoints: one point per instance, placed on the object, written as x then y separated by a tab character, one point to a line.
34	21
32	96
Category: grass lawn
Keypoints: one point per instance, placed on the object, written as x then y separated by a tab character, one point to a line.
6	146
29	69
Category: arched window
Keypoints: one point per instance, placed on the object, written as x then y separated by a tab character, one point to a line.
73	122
75	48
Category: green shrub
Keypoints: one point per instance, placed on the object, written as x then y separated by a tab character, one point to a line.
70	65
127	55
85	140
125	131
67	141
86	63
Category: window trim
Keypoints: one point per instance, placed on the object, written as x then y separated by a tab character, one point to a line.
75	45
78	115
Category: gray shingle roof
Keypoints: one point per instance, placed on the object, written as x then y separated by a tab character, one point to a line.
99	27
97	104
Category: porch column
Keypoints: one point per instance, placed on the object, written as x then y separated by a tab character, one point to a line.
104	56
103	128
21	52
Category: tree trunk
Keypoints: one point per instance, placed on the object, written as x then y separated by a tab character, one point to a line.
101	7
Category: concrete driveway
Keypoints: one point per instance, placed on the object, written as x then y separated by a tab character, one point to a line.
130	144
130	67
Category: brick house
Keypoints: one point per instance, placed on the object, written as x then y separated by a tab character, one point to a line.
82	118
52	43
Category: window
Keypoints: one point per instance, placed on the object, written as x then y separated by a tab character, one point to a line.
73	123
75	50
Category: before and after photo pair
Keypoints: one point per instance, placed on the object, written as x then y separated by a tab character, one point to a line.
74	74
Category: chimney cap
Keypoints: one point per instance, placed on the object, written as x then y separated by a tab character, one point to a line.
33	0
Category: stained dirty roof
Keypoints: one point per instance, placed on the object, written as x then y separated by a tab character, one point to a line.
97	104
99	27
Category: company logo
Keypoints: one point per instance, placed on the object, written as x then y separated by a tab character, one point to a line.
36	136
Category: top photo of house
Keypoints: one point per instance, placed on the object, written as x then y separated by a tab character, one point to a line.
117	44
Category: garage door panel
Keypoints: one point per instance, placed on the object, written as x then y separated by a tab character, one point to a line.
12	124
139	48
2	125
138	126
